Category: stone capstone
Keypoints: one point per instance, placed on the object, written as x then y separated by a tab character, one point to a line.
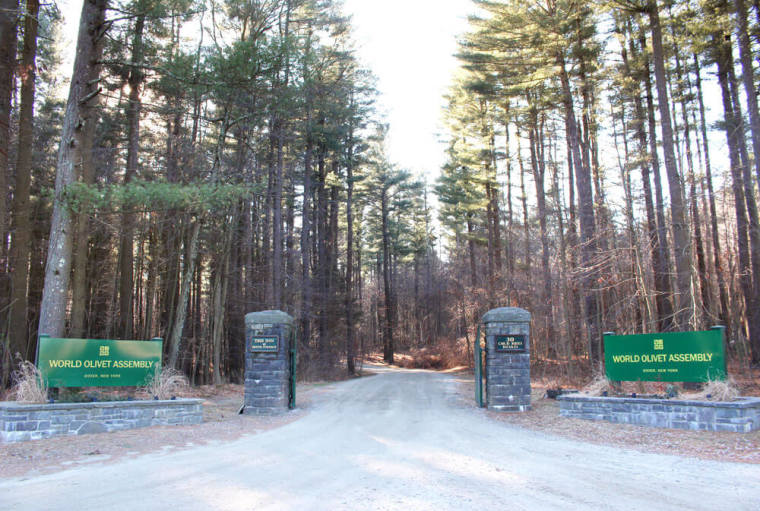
506	315
270	317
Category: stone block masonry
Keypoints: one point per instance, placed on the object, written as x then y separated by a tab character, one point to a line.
507	372
267	374
21	422
740	416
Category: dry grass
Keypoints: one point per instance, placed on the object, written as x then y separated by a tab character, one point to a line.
166	383
718	390
712	445
444	355
30	386
597	386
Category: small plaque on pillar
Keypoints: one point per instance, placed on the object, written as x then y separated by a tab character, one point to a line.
267	344
513	343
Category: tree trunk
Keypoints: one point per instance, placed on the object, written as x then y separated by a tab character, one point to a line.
8	43
539	173
574	298
633	242
720	277
509	252
126	258
81	229
277	238
175	340
350	350
266	238
681	237
723	60
388	347
290	249
323	264
698	246
587	224
306	285
279	132
659	265
753	305
748	77
221	283
22	242
150	302
81	92
526	225
663	271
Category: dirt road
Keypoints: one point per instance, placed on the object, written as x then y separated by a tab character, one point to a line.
397	440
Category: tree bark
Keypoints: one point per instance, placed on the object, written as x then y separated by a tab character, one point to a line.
723	60
126	258
349	301
539	174
79	283
306	284
279	133
221	283
748	77
698	246
526	225
508	251
659	265
323	264
720	276
8	43
175	340
681	237
22	218
662	272
753	217
388	345
81	93
587	224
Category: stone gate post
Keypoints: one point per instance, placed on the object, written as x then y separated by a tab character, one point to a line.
268	335
507	370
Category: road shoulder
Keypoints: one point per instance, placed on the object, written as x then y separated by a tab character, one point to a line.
544	417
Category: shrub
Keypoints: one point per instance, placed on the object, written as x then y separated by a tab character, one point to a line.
597	386
165	383
30	386
719	390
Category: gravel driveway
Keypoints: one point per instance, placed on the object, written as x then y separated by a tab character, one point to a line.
397	440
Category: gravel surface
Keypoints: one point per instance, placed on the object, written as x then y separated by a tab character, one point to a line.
544	416
398	440
221	422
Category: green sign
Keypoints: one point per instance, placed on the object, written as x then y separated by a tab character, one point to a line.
671	356
266	344
510	343
97	362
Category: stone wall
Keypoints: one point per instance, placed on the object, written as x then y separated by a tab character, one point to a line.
21	422
739	416
507	374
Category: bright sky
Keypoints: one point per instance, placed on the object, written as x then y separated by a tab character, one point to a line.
409	45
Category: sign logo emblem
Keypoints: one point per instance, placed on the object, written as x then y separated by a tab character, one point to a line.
659	344
104	351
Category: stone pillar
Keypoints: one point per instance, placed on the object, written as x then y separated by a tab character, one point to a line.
507	359
268	335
